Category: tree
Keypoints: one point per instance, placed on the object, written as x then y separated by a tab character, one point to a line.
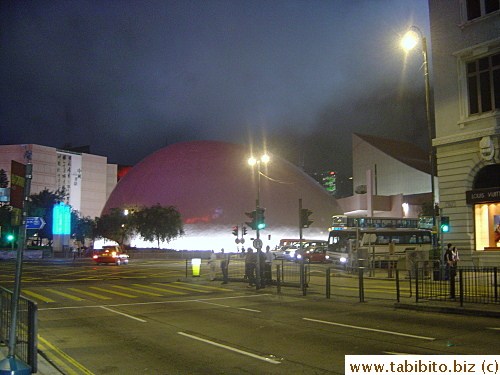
42	205
82	227
157	223
116	225
4	180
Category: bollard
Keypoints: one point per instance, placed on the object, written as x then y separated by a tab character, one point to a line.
278	277
195	266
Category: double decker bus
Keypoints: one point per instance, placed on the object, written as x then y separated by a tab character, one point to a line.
351	238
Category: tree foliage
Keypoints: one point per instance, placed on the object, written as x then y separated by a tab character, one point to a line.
157	223
41	205
115	226
4	180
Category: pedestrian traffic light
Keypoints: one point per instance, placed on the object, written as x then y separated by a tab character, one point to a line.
445	224
244	230
260	218
235	231
10	237
304	218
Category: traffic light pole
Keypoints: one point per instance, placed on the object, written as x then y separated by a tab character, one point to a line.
11	365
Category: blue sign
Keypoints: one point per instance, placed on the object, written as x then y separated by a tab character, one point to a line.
35	223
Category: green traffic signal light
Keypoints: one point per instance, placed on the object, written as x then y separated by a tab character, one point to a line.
10	237
445	224
260	218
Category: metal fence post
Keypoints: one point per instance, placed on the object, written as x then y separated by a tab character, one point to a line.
328	282
461	286
278	277
397	287
361	287
495	284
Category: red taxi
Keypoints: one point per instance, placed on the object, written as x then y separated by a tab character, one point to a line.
313	254
110	254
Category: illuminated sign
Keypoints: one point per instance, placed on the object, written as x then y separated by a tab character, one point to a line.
62	219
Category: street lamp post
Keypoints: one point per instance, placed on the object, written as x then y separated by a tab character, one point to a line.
258	243
410	40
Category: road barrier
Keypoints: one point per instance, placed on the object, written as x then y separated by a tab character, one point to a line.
26	330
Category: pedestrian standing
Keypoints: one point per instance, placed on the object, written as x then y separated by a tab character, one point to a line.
224	265
212	263
250	264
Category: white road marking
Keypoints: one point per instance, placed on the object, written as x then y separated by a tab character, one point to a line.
371	329
120	313
269	360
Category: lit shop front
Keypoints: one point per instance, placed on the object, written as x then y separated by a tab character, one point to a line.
486	203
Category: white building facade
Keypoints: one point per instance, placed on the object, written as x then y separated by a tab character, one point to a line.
465	38
88	179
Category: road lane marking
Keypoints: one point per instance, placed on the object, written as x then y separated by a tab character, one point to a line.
57	356
252	310
112	292
120	313
136	291
160	289
38	296
182	287
371	329
151	303
495	328
268	360
205	286
397	353
89	293
70	296
211	303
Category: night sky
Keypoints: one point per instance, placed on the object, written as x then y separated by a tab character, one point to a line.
130	77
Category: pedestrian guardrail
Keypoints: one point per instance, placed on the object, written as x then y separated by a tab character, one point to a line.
26	330
463	284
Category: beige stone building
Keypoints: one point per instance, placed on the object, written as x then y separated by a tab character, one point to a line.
465	37
88	179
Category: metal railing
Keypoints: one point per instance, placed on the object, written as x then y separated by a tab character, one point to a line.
26	330
464	284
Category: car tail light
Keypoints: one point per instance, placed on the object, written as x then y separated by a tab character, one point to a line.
95	257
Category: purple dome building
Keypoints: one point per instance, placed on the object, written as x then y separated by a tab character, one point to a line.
212	185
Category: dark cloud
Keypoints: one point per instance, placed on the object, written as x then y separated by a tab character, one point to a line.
129	77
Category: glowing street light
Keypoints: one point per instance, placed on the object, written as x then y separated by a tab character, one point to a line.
409	41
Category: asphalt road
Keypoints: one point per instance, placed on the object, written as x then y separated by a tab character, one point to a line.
148	318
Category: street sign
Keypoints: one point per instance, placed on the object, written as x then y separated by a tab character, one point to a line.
35	223
257	243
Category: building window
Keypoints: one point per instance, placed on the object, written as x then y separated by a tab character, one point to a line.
483	84
478	8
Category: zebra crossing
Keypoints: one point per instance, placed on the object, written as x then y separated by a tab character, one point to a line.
110	292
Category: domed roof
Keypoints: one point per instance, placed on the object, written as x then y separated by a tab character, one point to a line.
212	185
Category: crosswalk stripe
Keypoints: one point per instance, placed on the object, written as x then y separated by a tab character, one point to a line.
135	290
74	298
38	296
112	292
89	293
183	287
160	289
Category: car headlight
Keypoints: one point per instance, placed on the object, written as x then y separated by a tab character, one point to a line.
299	256
327	257
343	259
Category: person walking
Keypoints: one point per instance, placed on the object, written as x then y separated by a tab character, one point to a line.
451	259
224	266
212	263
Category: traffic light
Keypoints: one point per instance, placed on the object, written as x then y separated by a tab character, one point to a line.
10	237
235	231
304	218
445	224
253	216
244	231
260	218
